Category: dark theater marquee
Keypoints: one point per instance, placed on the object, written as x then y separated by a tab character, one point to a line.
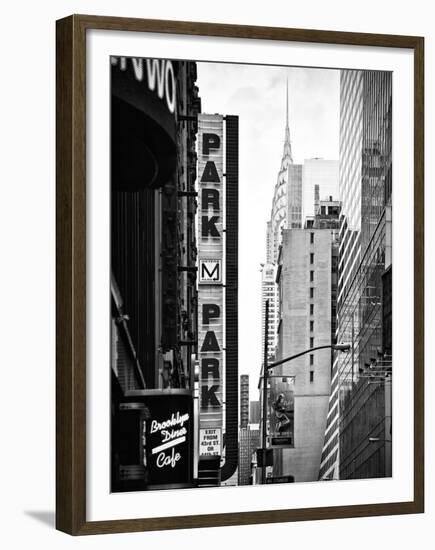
173	284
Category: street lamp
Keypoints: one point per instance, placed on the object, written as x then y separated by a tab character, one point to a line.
337	347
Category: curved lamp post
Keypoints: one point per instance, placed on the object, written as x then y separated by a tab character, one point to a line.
338	347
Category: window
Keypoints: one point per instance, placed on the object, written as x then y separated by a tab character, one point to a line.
311	309
311	238
311	292
311	360
311	257
311	342
311	276
311	376
311	326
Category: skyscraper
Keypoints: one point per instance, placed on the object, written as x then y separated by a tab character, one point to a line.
286	212
287	198
360	401
293	201
307	281
269	291
351	101
286	280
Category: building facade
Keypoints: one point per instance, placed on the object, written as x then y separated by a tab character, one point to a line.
286	212
153	261
358	434
244	400
289	274
305	276
254	412
294	201
287	198
249	441
249	434
269	292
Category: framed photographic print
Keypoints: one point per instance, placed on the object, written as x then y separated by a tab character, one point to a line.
233	343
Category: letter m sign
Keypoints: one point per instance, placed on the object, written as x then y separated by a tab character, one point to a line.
210	271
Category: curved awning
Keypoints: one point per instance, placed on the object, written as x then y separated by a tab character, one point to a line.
143	127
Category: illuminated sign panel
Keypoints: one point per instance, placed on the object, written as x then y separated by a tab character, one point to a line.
211	279
158	426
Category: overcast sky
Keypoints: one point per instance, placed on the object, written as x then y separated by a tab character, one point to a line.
257	95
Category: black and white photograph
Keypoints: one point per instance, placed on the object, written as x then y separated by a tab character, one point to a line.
251	274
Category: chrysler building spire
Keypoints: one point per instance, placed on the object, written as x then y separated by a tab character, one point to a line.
287	154
286	104
285	195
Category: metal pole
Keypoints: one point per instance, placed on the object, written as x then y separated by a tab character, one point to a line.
281	361
353	347
266	367
265	372
196	455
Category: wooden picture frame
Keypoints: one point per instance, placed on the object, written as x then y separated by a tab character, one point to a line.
71	273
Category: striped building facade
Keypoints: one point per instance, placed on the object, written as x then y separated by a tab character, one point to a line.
360	382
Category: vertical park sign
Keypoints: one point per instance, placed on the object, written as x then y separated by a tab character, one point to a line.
211	280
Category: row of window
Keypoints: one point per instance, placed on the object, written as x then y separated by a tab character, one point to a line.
311	311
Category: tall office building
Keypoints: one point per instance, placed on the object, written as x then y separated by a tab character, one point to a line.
287	198
293	202
358	433
269	291
286	212
299	389
297	195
